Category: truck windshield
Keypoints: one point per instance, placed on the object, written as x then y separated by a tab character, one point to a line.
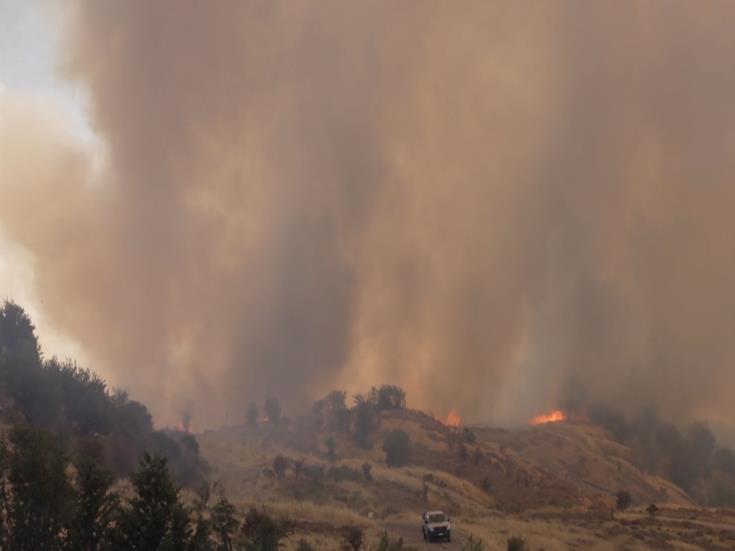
437	517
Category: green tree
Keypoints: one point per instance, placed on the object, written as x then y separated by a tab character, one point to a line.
96	504
397	448
336	412
37	495
224	524
261	531
154	518
391	397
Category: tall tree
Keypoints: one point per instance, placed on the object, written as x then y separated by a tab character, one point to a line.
224	524
37	496
154	519
94	509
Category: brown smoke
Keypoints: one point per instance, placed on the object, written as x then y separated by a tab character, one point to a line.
496	205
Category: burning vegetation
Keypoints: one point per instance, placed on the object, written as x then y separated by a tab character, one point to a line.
555	416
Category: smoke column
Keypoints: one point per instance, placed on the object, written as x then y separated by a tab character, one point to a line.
497	205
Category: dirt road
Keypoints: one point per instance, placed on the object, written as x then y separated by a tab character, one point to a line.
412	536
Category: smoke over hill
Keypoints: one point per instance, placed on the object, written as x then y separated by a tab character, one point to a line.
494	205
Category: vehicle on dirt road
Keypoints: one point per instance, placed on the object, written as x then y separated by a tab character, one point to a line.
436	526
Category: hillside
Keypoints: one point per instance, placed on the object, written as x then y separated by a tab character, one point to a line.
551	483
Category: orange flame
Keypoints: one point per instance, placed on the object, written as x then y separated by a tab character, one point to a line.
453	419
552	417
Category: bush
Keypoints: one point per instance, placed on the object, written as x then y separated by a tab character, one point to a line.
652	510
354	537
367	469
304	546
397	448
280	464
622	500
517	543
261	531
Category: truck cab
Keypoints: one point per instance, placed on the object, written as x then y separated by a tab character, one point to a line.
435	525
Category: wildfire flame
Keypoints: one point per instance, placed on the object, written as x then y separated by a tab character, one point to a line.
551	417
453	419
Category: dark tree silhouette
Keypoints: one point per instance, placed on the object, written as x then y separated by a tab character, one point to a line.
397	448
252	414
154	518
96	504
272	410
224	524
37	498
365	421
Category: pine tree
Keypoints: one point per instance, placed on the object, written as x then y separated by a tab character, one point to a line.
154	519
94	509
224	524
37	496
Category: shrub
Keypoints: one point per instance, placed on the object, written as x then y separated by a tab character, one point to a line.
354	537
367	469
261	531
652	510
304	546
280	464
397	448
622	500
517	543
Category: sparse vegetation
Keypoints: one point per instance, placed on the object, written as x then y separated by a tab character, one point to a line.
691	460
473	545
386	544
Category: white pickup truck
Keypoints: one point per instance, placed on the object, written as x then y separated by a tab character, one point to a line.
436	525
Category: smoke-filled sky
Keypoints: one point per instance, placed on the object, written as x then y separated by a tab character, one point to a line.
500	206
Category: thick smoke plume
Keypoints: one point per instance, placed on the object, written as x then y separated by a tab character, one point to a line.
497	205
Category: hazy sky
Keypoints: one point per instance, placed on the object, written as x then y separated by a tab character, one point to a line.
29	58
501	206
